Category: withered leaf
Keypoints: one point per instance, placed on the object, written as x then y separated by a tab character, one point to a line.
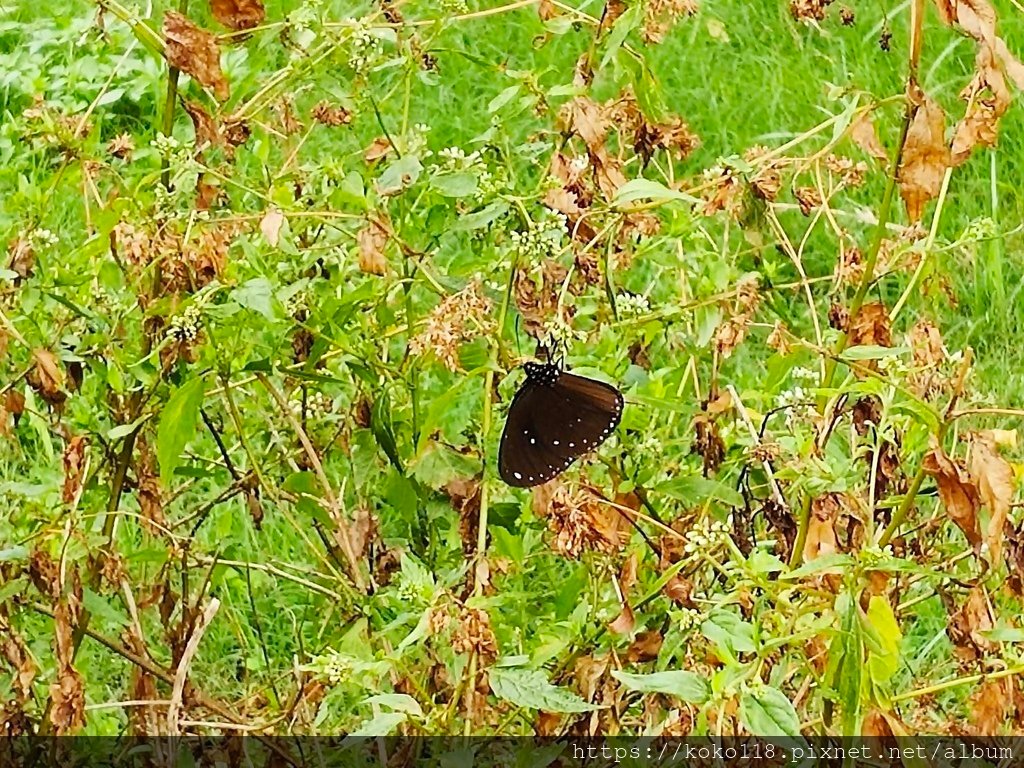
863	133
958	492
195	52
821	533
990	704
978	19
645	647
378	148
67	697
74	468
46	377
925	157
270	226
994	478
207	131
968	623
238	14
870	326
623	623
372	240
987	100
18	656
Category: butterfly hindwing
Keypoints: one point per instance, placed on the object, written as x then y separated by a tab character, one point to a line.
554	419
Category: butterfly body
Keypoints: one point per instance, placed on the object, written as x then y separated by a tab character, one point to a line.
555	418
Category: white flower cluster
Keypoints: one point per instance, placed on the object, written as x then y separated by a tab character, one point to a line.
688	618
541	239
456	159
416	140
457	7
42	238
185	327
706	535
632	304
317	404
167	146
364	46
295	304
336	667
870	554
892	365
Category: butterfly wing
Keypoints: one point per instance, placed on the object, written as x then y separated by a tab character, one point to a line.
550	426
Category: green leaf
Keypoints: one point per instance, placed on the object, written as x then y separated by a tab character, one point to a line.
177	425
766	711
460	184
98	606
438	465
625	24
823	563
378	725
399	702
872	352
399	175
17	552
256	294
694	490
384	431
688	686
729	633
13	587
765	562
647	189
480	219
531	689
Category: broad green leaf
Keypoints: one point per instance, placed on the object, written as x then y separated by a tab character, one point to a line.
766	711
480	219
694	490
177	426
18	552
438	465
399	702
383	724
729	633
99	606
648	189
256	294
625	24
460	184
530	689
765	562
402	173
688	686
823	563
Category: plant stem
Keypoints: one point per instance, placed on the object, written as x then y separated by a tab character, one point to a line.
171	99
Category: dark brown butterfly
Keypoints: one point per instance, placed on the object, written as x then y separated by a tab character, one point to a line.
555	418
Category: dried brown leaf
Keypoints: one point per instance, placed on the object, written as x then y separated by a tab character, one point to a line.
207	132
373	239
379	147
74	468
270	226
958	492
821	533
18	656
623	623
990	705
994	478
645	647
987	98
871	326
238	14
46	377
925	157
863	133
195	52
67	701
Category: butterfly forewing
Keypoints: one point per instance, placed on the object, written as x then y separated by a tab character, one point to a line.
554	419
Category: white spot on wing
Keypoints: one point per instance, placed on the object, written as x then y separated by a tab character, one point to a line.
517	476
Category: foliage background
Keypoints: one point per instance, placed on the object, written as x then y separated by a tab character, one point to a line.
261	320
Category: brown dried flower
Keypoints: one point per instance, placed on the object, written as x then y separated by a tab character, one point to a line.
459	318
580	521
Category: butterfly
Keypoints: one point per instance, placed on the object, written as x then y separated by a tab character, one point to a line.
555	418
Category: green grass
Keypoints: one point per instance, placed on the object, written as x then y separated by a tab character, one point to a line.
740	73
